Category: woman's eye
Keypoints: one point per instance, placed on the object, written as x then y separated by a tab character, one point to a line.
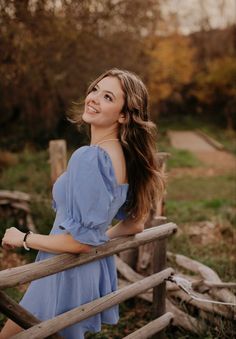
94	89
108	97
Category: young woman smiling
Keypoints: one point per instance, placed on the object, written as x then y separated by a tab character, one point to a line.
115	177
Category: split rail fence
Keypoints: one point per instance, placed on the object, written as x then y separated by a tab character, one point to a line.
34	328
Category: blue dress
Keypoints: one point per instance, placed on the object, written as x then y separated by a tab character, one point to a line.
86	199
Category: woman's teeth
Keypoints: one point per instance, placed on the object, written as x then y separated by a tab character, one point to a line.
92	109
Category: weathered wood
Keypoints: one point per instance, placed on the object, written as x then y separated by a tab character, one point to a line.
15	312
132	276
58	158
152	327
210	140
5	201
144	262
20	275
85	311
206	272
18	314
161	158
18	201
159	294
14	195
147	295
181	319
21	206
219	284
205	306
130	256
127	271
185	320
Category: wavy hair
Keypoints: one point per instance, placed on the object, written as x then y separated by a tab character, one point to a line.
137	136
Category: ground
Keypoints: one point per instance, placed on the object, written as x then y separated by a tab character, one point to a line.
217	161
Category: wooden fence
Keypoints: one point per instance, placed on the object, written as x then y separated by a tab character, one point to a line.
34	328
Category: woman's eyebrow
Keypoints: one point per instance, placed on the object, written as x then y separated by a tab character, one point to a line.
108	92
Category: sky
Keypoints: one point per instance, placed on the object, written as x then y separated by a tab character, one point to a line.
220	13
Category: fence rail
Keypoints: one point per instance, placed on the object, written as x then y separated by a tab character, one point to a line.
36	329
26	273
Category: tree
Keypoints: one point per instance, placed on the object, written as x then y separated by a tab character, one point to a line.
171	67
216	88
50	51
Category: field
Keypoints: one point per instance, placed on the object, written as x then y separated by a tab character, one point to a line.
199	201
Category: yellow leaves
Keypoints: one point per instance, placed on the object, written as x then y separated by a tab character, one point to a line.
172	65
219	77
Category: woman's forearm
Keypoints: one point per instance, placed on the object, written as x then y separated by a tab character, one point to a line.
53	243
56	243
125	227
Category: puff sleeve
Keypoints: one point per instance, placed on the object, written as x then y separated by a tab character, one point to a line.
90	191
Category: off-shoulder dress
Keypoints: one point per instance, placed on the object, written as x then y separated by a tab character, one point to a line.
86	198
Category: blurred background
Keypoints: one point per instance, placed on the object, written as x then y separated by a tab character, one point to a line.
51	50
185	52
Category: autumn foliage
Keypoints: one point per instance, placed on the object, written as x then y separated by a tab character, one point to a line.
51	50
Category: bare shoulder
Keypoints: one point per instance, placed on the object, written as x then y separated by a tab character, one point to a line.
118	161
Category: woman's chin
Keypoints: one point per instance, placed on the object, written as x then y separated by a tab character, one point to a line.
87	118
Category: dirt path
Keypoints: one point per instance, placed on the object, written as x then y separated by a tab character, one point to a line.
216	161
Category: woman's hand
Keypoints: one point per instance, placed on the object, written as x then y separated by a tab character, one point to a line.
12	238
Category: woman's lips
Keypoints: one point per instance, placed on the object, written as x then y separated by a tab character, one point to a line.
91	109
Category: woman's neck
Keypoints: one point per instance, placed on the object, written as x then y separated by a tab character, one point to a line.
101	134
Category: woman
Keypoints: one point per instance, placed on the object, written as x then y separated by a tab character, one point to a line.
116	176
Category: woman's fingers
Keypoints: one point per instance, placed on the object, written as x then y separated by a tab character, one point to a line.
12	238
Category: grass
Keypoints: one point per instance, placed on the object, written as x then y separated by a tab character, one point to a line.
189	199
178	158
30	173
199	200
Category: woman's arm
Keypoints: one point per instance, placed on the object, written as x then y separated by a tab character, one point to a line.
54	243
126	227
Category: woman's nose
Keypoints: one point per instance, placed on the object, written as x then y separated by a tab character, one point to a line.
95	96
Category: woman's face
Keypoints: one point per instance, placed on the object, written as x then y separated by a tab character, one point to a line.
103	105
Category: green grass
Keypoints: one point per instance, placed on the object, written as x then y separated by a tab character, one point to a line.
191	199
178	158
182	158
215	188
30	174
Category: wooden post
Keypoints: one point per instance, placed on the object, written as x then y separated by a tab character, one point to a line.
159	257
159	292
161	161
58	158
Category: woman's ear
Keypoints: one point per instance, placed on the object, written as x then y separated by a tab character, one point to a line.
122	118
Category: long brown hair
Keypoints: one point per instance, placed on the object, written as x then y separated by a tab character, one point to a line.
138	139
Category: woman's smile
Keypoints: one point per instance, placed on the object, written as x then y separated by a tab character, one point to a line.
91	109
